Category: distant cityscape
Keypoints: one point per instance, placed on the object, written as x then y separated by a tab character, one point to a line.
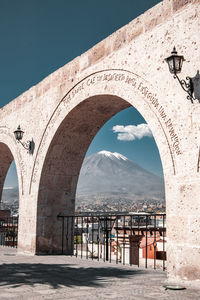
149	206
101	205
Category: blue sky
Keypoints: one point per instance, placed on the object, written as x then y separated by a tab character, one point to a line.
143	151
39	36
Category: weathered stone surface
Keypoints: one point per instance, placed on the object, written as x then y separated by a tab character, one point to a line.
178	4
119	39
65	277
136	28
96	53
159	14
63	113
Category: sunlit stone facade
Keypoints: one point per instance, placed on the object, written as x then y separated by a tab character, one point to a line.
63	113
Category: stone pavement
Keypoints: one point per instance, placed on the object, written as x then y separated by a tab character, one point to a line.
64	277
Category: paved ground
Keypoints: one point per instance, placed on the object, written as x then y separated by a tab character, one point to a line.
63	277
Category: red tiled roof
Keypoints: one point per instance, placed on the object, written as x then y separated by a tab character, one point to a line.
150	241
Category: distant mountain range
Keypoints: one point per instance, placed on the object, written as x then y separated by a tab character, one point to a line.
109	177
105	173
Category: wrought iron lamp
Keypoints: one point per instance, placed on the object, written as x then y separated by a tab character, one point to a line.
175	63
19	135
106	223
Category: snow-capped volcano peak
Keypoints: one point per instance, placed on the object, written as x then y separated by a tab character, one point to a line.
112	155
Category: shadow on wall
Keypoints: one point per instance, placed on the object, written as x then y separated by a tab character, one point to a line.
196	85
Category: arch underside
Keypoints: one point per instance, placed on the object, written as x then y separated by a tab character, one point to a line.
6	159
63	163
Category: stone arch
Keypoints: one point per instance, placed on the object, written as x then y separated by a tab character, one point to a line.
128	86
8	153
6	158
76	120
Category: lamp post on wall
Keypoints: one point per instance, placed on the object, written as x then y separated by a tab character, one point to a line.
175	63
29	145
106	223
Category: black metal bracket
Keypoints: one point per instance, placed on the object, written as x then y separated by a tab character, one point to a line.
29	145
188	87
191	85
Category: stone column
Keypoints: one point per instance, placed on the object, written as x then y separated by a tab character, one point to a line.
183	228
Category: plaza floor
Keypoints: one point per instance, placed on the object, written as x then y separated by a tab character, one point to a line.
64	277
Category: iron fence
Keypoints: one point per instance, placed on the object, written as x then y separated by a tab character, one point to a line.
135	239
9	231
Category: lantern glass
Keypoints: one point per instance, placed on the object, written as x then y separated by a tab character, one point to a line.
170	62
18	134
178	62
175	62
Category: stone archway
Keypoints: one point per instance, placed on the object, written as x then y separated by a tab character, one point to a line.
139	47
63	162
6	159
70	131
8	153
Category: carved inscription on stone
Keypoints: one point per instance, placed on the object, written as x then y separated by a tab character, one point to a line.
140	86
163	117
131	79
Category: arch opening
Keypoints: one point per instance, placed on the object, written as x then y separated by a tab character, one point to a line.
60	173
10	194
9	197
122	170
6	159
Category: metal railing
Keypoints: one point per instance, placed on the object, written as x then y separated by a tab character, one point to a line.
135	239
9	231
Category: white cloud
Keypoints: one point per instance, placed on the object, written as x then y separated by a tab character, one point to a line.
132	132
